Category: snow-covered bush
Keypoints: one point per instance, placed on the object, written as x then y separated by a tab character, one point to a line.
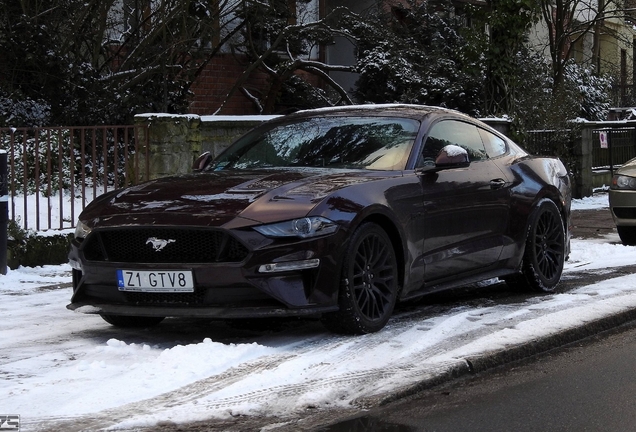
23	112
538	105
423	54
591	91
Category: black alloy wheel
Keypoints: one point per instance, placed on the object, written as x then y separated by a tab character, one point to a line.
369	284
544	253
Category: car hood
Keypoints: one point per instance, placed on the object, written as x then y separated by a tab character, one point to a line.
628	168
231	199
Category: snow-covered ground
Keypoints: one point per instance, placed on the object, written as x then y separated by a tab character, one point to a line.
61	370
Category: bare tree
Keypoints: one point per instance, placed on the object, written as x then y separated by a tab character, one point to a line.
283	39
94	61
171	39
569	22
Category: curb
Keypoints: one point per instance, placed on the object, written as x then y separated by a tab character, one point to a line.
478	364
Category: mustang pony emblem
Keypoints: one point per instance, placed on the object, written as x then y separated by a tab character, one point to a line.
158	244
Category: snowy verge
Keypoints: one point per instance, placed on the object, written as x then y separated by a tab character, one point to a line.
68	371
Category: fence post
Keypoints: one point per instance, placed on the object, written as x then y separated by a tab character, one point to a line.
609	149
583	186
4	211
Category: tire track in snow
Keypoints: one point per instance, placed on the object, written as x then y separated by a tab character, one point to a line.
349	350
109	417
458	327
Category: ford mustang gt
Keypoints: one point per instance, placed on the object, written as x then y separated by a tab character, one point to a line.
335	213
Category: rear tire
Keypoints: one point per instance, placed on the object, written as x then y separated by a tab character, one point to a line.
131	321
368	284
544	253
627	235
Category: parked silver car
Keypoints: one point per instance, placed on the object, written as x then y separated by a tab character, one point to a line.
622	200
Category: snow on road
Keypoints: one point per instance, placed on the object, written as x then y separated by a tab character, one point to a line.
61	370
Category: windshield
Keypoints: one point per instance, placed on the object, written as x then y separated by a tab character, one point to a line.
334	142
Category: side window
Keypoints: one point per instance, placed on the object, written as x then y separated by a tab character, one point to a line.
454	132
495	146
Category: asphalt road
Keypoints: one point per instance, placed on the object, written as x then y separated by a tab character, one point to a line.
586	386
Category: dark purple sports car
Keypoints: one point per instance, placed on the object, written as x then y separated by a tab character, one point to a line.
337	213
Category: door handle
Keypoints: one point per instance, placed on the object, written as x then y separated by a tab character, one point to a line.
497	183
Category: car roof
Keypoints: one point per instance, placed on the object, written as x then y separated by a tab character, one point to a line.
424	113
392	110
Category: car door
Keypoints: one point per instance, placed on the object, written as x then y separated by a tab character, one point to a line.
465	209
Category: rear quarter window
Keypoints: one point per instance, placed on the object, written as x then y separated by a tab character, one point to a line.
494	145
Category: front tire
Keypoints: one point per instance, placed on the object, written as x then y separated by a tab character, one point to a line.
369	283
131	321
544	253
627	235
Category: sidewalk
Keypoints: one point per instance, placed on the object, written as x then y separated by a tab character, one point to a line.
591	224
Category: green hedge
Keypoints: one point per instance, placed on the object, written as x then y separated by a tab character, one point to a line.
26	248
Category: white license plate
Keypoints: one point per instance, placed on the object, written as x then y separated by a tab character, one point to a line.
155	280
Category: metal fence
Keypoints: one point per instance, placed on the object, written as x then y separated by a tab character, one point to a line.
54	172
612	145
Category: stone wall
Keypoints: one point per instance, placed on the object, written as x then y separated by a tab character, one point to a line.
218	132
175	141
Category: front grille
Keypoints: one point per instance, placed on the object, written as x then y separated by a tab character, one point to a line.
180	245
625	212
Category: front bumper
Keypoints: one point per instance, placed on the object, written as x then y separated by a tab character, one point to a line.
92	307
623	207
224	290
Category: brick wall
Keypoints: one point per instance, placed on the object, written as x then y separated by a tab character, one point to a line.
218	78
215	82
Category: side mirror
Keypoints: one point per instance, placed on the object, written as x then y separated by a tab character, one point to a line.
202	162
452	156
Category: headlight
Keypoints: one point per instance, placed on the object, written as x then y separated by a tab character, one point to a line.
81	230
623	182
303	227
